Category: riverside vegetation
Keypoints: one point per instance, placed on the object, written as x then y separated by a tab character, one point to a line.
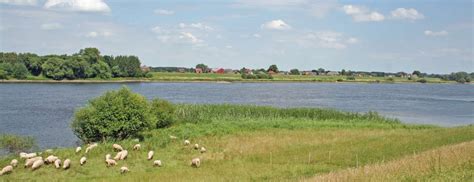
255	143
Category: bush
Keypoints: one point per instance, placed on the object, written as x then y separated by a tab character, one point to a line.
340	80
16	144
163	111
149	75
350	78
3	74
422	80
390	79
249	76
115	115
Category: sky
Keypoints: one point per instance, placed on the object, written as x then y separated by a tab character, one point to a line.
365	35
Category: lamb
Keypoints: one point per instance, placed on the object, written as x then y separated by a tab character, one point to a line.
50	159
157	163
137	147
6	170
90	147
66	164
124	155
110	162
14	163
83	160
187	142
196	146
37	164
150	155
57	163
29	162
117	147
78	149
196	162
203	150
124	169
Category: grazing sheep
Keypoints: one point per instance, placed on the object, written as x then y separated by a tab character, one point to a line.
196	162
157	163
124	169
196	146
90	147
150	155
57	163
29	162
37	164
27	156
110	162
137	147
22	155
187	142
203	150
117	156
78	149
117	147
50	159
108	156
173	137
83	160
14	162
124	155
6	170
66	164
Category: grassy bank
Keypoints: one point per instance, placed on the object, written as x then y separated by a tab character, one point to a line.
250	143
211	77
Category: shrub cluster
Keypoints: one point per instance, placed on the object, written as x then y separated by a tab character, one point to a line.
257	76
15	144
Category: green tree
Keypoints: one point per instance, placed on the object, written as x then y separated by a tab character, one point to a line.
102	70
417	73
55	68
343	72
90	54
19	71
321	71
3	73
294	72
204	67
163	112
273	68
114	115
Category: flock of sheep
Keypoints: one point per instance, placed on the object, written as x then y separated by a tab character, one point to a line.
33	161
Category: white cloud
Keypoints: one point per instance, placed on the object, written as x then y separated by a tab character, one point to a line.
362	14
435	34
276	25
256	35
78	5
199	26
182	34
20	2
51	26
163	12
410	13
190	37
95	34
329	39
352	40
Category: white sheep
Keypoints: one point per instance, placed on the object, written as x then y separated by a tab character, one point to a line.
110	162
57	163
107	156
90	147
29	162
173	137
150	155
6	170
117	156
78	149
66	164
117	147
187	142
137	146
37	164
124	155
22	155
50	159
124	169
196	162
83	160
27	156
14	162
203	150
157	163
196	146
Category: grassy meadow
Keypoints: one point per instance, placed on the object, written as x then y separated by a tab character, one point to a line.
256	143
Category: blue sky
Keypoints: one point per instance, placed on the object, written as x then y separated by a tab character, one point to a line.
368	35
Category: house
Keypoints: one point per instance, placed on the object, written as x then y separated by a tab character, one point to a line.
198	70
145	68
310	73
332	73
218	70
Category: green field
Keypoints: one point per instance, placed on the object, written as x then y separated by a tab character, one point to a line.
252	143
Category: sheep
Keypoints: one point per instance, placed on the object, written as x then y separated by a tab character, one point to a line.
187	142
117	147
6	170
150	155
50	159
203	150
57	163
173	137
90	147
124	169
196	162
29	162
83	160
37	164
157	163
196	146
117	156
78	149
14	163
27	156
137	147
66	164
110	162
107	156
124	155
22	155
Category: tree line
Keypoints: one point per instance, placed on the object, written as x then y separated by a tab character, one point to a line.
87	63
